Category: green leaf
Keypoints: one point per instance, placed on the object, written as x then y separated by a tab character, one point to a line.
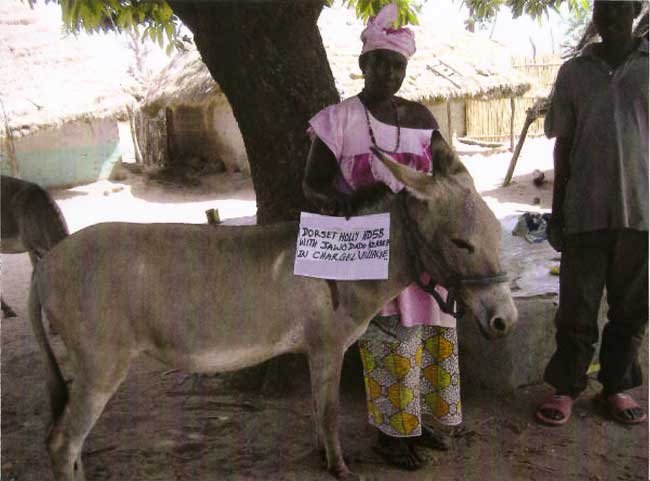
128	18
170	31
155	14
166	13
74	15
113	5
141	13
66	12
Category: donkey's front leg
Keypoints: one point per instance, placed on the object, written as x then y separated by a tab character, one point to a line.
325	371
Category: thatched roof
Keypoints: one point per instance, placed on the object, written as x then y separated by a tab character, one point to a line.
48	78
450	64
184	81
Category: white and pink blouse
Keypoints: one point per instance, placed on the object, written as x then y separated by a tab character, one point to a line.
344	129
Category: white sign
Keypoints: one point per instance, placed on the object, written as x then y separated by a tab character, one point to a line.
336	248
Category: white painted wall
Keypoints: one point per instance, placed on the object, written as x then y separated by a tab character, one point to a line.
74	153
228	139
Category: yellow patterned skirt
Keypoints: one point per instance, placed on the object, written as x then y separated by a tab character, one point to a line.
410	371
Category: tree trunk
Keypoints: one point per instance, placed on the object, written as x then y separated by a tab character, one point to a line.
269	60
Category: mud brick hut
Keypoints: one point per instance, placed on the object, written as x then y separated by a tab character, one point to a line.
60	100
187	119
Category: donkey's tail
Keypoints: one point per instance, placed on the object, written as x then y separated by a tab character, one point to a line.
56	386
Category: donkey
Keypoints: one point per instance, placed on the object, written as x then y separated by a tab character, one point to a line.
106	290
31	222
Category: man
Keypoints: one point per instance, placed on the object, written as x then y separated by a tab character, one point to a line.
599	116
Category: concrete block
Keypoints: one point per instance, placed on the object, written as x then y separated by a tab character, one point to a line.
519	359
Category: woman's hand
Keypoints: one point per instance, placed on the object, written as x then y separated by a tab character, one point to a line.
330	203
318	183
341	205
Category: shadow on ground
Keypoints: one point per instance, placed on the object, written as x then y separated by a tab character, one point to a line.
522	190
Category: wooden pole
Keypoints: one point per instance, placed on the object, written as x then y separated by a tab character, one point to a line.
9	144
171	154
512	123
522	137
539	109
449	123
134	135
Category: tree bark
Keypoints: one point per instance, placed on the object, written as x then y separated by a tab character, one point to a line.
269	60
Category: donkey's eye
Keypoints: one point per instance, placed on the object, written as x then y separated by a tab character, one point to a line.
461	244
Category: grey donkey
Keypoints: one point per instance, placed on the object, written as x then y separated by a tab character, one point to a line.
106	290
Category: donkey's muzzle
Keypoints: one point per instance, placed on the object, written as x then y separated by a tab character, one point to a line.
501	320
494	327
498	326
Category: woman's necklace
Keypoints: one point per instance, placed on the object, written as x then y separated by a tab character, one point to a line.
372	134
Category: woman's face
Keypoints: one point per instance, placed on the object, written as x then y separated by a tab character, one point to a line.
383	71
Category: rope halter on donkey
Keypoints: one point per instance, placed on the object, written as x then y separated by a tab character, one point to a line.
416	246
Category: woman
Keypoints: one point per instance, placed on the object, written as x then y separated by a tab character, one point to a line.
410	350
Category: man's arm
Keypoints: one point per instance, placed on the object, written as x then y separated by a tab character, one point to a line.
561	155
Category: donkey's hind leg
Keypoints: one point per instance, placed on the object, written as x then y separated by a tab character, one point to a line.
325	370
86	402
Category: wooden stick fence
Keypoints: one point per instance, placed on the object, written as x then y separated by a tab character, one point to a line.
498	120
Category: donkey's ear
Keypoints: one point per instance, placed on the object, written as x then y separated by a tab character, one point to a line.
443	158
416	182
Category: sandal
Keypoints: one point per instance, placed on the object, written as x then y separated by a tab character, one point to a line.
397	452
623	408
558	404
432	438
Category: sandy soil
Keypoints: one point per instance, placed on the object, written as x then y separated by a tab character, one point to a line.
164	425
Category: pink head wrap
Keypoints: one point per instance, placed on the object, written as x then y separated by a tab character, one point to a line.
379	34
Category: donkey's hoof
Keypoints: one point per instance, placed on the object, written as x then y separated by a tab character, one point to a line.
344	474
323	457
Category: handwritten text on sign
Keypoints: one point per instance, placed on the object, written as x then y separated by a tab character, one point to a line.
336	248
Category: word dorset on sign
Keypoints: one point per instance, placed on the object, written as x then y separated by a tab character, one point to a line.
336	248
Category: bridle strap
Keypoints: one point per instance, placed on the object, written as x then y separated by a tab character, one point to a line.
450	305
481	281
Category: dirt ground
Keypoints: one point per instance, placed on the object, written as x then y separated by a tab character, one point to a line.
165	425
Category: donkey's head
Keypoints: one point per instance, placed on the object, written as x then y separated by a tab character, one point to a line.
453	235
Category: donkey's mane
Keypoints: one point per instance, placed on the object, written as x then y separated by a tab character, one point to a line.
371	198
